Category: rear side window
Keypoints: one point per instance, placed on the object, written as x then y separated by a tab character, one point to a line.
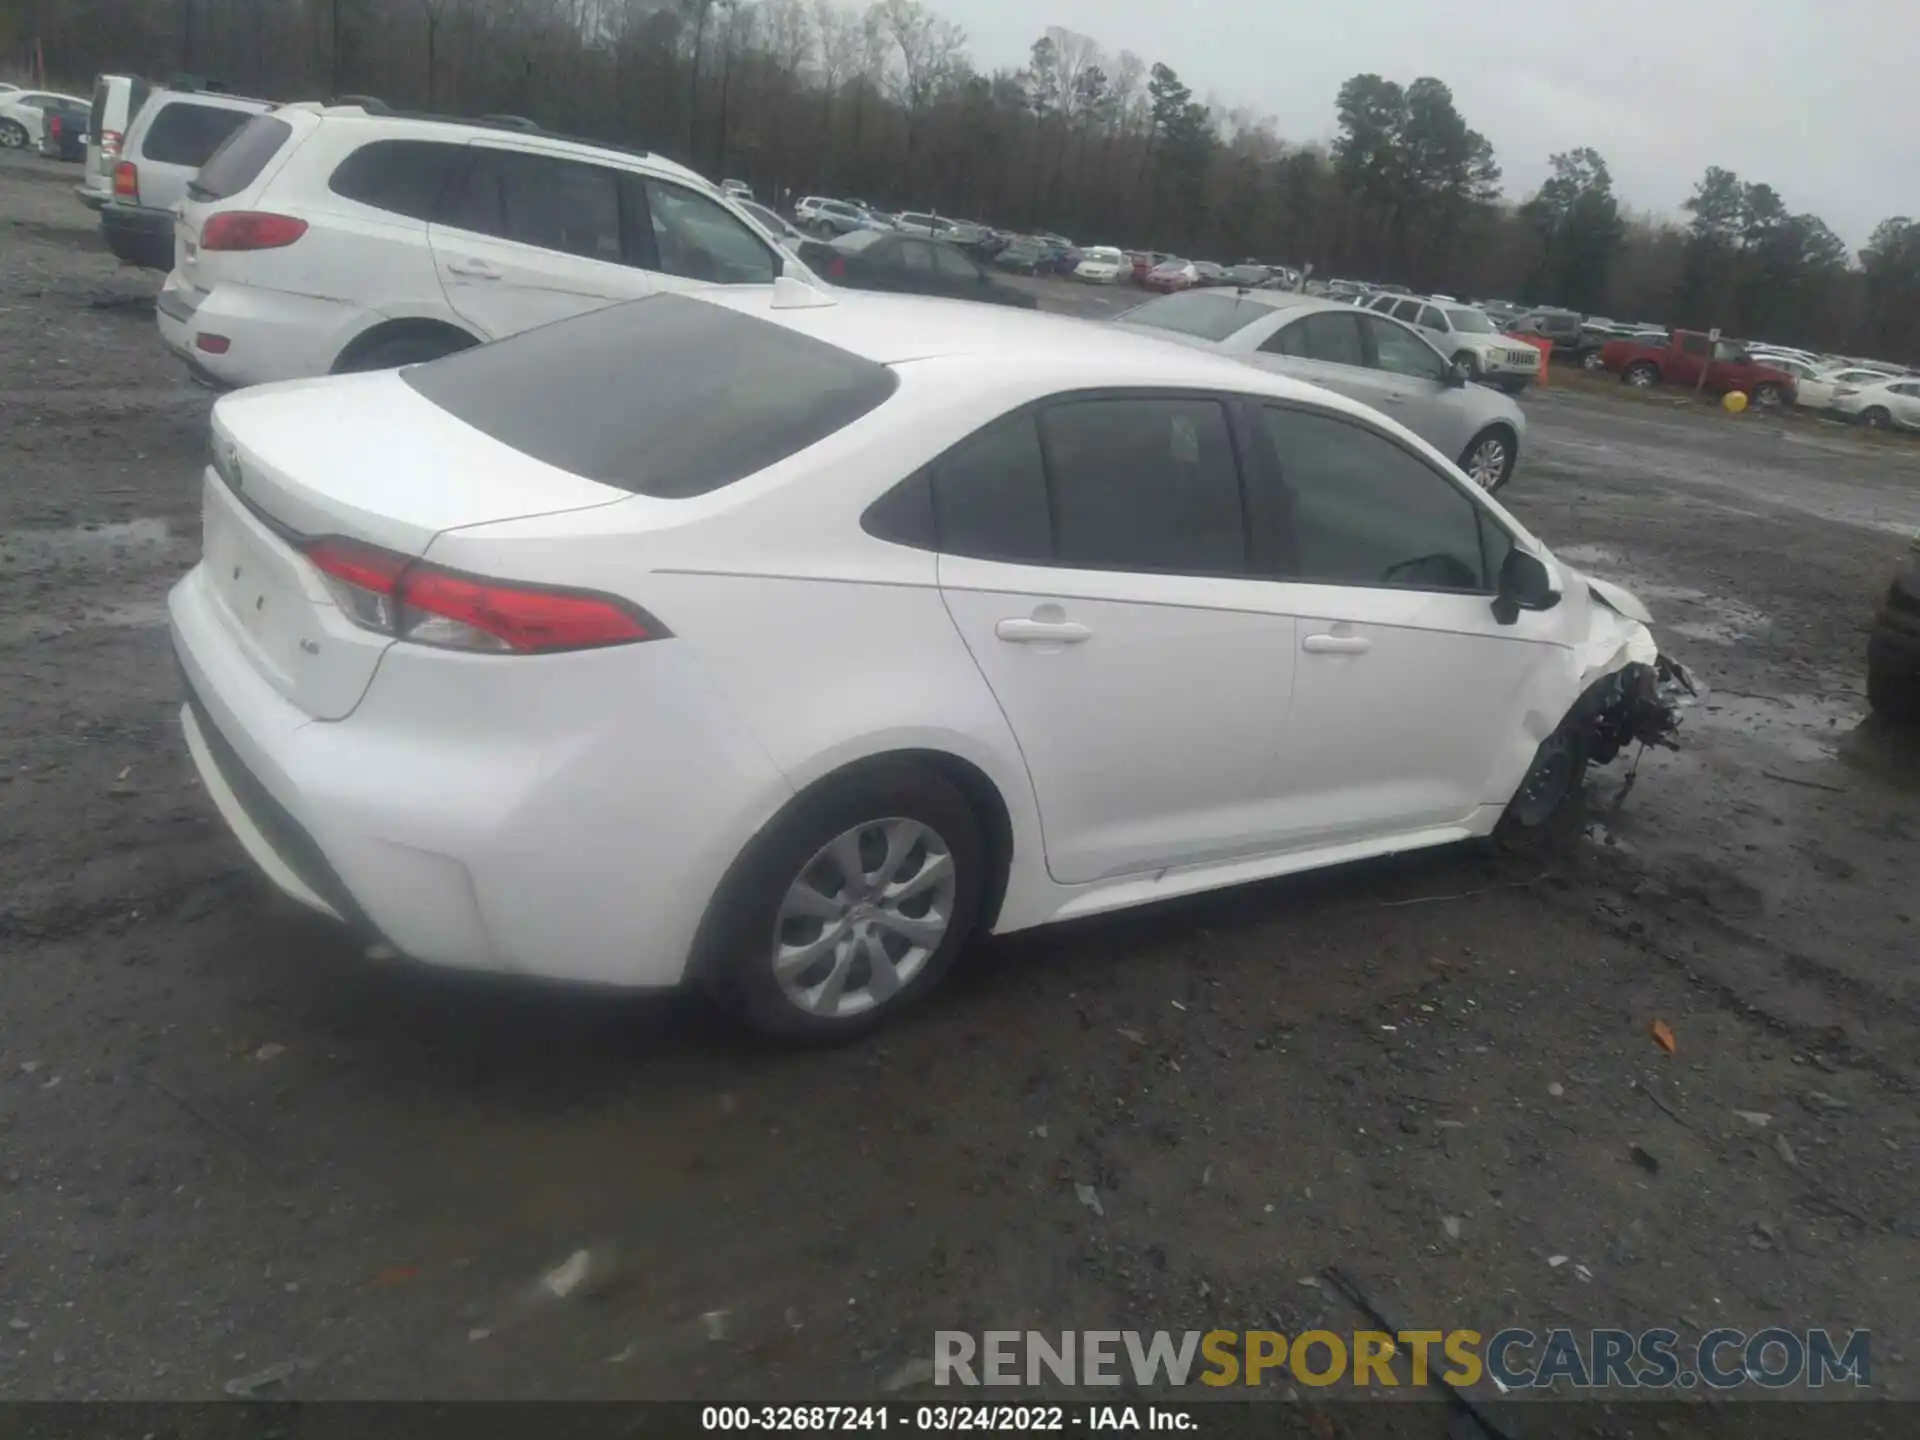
1330	336
990	495
239	161
184	133
1144	484
403	177
556	204
1205	314
667	396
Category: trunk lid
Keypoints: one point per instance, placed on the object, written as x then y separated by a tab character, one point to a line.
372	461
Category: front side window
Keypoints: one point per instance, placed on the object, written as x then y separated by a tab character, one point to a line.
698	239
1144	484
1400	352
1353	508
1330	336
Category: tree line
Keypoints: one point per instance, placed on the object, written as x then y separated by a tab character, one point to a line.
885	104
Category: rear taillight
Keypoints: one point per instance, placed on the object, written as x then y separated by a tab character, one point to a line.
126	181
54	126
411	600
250	230
838	270
109	143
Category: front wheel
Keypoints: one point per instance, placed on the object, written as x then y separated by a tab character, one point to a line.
1875	418
1768	397
1489	458
13	135
849	907
1640	377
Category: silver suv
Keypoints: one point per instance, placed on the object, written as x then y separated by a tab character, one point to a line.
173	135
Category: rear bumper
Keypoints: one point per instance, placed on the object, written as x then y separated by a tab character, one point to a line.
138	235
90	197
475	821
270	334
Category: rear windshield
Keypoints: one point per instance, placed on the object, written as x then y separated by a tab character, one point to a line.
1209	315
186	133
667	396
238	162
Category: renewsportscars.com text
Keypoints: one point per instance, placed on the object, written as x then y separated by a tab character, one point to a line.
1510	1359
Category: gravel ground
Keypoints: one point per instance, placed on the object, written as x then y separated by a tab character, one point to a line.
228	1142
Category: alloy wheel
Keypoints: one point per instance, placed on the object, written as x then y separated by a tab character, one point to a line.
1487	463
863	917
13	135
1640	378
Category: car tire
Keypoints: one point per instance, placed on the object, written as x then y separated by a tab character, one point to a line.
401	350
1489	458
1556	779
1894	697
789	891
13	135
1641	376
1768	397
1875	417
1470	362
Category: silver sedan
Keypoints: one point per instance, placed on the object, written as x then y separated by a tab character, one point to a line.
1372	358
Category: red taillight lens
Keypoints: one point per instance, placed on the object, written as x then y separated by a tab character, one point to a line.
109	143
54	126
410	600
838	270
126	181
250	230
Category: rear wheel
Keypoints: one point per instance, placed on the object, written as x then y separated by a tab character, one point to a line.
13	135
402	350
849	907
1767	396
1875	418
1641	376
1591	361
1489	457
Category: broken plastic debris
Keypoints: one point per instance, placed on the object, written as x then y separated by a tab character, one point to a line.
568	1276
1663	1036
1759	1119
1554	1262
1451	1224
1089	1197
245	1386
1128	1033
269	1051
716	1323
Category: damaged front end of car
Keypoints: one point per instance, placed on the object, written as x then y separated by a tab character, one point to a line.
1633	695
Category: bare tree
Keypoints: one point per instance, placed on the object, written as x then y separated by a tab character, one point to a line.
929	49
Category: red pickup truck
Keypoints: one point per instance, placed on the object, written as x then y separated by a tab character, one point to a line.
1686	353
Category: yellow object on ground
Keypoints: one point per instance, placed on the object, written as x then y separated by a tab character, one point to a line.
1734	401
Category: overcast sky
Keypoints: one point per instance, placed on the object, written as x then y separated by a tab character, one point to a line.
1822	101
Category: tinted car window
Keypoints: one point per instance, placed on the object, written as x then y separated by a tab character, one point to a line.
953	265
1353	508
1407	310
239	161
406	177
1695	344
1400	352
667	396
990	495
1332	336
1144	484
915	257
555	204
183	133
1210	315
1432	318
694	237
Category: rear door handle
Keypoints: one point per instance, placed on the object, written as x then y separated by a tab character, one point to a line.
476	269
1336	644
1042	632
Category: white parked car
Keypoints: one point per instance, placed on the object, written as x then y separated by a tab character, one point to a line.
778	642
834	217
23	116
1886	405
341	238
1103	265
1815	388
1465	333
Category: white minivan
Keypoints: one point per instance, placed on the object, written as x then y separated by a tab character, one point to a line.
116	100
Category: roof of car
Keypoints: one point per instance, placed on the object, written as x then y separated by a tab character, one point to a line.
898	329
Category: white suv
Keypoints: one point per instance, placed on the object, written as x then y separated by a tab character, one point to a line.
327	239
1464	333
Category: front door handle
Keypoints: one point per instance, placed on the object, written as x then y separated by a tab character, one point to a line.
474	269
1336	644
1042	632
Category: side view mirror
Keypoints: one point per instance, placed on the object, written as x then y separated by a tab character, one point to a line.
1457	373
1525	584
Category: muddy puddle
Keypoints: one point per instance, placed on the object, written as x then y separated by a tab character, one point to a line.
83	544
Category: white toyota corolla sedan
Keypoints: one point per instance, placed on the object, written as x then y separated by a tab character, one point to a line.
777	642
